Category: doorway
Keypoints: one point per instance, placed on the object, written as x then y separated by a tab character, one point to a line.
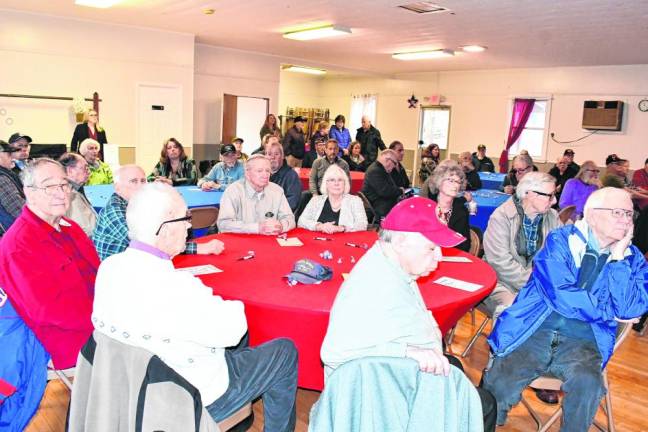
243	117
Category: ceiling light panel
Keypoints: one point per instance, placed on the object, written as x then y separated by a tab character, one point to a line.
317	33
101	4
424	55
424	7
304	69
473	48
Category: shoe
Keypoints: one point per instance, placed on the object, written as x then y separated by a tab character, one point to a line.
547	396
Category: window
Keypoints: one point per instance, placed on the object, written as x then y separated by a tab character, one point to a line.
532	138
362	105
435	125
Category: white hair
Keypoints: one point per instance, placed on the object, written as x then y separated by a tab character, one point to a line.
532	182
332	171
599	197
30	172
83	147
151	205
255	157
121	170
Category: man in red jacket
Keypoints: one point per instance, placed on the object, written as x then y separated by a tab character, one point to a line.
48	265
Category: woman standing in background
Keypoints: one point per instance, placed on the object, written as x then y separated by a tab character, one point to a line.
90	128
270	127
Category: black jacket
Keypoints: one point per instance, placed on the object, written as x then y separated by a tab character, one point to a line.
485	164
399	175
459	219
309	158
380	190
474	182
294	143
355	166
370	142
81	132
287	178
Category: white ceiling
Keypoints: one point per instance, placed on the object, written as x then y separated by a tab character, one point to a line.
518	33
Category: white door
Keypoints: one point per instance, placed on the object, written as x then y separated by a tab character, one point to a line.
159	117
251	112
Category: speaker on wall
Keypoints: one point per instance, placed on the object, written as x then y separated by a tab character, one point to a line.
602	115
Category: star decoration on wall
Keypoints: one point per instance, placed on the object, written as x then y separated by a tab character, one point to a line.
412	101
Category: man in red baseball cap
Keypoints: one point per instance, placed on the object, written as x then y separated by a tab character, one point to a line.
379	310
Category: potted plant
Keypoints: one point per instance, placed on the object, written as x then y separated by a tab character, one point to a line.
80	107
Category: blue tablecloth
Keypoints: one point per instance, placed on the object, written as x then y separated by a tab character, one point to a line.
487	201
193	196
491	180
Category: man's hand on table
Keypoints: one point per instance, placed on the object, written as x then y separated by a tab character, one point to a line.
209	185
164	180
430	360
270	227
509	189
213	247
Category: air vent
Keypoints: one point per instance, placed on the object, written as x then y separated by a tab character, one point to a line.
424	7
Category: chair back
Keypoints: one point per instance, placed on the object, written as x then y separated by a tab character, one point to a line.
371	213
565	214
475	241
203	217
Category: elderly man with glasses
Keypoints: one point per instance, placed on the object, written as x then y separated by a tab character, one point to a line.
111	234
174	315
49	265
379	186
586	279
522	165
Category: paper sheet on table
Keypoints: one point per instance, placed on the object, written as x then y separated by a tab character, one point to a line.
459	284
292	241
345	276
456	259
201	269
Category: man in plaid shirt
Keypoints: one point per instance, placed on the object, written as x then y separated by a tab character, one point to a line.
111	234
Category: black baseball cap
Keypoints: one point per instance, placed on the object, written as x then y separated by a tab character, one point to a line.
481	147
18	136
227	148
569	152
6	147
614	159
300	119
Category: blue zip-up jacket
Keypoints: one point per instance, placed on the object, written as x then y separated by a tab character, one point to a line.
620	291
343	137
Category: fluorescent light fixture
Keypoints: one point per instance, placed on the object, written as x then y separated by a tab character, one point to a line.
102	4
317	33
473	48
424	55
304	69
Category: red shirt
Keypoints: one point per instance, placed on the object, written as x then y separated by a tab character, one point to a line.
49	277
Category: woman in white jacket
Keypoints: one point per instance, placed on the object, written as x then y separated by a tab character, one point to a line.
335	210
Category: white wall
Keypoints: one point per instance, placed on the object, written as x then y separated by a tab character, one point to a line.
46	55
222	70
480	102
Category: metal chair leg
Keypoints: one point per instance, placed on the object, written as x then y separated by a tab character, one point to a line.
475	337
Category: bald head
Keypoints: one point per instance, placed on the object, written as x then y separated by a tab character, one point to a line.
128	180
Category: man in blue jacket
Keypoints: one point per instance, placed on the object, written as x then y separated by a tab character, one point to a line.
586	279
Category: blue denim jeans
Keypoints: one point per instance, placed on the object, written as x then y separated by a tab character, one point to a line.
576	362
268	370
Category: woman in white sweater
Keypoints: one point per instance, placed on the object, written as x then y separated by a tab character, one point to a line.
335	210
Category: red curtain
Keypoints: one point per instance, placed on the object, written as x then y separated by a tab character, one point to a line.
521	111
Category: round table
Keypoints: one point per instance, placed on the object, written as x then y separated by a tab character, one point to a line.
491	180
275	309
487	201
98	196
357	178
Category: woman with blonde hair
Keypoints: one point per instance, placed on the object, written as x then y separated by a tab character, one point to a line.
90	128
100	172
335	210
446	187
174	167
578	189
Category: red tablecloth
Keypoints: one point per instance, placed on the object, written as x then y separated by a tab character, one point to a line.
357	178
301	312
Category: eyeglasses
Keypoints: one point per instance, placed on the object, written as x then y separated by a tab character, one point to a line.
618	213
455	181
335	180
550	195
186	218
51	190
521	170
135	181
593	170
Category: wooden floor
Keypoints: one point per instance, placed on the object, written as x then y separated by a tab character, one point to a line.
628	374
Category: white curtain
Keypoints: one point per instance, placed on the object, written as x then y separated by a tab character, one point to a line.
362	105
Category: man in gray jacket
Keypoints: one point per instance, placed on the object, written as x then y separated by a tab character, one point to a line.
321	165
516	232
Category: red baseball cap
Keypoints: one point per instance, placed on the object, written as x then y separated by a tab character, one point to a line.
418	214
